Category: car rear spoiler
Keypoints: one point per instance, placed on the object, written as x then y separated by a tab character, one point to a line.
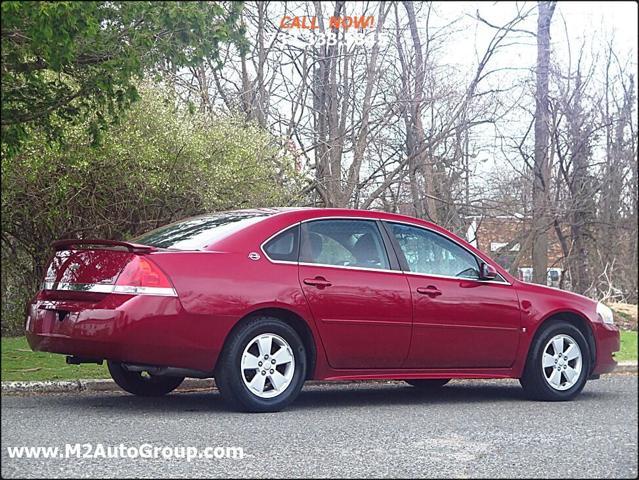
68	243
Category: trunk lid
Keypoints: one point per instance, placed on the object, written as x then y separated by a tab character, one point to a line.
97	266
85	268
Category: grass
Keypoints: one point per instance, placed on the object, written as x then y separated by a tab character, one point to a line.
628	346
20	363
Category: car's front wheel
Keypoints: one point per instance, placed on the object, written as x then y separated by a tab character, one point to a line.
141	383
262	367
558	363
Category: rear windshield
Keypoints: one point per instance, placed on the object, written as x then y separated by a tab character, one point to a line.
197	233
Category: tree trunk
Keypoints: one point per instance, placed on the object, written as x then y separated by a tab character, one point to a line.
540	166
417	151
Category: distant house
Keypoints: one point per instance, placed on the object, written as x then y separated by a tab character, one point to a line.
503	237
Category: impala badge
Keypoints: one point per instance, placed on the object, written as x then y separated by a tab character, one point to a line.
254	256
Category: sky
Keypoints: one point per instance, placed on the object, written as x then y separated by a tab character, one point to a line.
589	21
574	24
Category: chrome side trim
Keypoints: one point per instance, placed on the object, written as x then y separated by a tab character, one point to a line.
78	287
347	267
340	217
117	289
383	270
157	291
468	279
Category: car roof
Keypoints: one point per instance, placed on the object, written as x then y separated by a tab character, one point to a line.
307	213
304	213
276	219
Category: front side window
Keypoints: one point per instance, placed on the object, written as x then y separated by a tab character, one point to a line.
346	243
432	254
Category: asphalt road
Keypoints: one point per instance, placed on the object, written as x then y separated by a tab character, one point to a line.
468	429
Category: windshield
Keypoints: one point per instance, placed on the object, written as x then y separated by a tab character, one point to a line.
197	233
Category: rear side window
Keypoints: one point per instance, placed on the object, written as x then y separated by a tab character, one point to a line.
285	246
348	243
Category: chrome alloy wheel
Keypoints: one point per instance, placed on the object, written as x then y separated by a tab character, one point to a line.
267	365
561	362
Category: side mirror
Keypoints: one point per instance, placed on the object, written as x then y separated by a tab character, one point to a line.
487	272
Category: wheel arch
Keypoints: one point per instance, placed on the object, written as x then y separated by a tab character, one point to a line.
575	319
295	321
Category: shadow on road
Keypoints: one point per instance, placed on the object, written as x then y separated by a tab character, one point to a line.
364	395
406	395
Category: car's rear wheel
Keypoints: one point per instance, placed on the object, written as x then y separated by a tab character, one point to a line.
262	367
142	383
428	384
558	363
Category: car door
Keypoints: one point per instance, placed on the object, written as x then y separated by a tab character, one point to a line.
459	321
357	294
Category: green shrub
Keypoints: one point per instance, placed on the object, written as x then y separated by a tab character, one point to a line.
158	164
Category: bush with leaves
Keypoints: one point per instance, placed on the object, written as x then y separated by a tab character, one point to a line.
66	62
158	164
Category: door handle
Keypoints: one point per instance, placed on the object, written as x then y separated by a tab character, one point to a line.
431	291
319	282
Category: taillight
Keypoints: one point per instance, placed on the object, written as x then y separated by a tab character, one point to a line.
142	276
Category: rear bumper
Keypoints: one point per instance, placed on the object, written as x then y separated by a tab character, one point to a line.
134	329
83	333
607	343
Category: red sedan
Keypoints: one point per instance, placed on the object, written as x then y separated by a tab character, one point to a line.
263	300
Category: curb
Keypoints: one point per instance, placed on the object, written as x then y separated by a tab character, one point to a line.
189	384
97	385
626	367
108	385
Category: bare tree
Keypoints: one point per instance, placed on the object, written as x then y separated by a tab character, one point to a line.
540	169
394	124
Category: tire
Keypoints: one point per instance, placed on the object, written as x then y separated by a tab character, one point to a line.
428	384
549	376
142	385
247	387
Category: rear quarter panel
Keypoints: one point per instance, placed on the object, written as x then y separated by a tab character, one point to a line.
218	289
